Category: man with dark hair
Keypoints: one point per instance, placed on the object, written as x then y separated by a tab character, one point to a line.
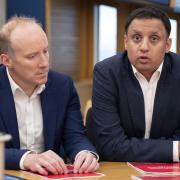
39	107
136	94
148	13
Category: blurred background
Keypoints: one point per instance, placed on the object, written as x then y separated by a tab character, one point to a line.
83	32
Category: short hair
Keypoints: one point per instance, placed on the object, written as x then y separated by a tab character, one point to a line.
149	13
7	29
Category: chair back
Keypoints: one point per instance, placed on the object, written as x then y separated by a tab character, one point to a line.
90	126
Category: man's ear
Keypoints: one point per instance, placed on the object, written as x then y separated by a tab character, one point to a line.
125	41
168	45
6	60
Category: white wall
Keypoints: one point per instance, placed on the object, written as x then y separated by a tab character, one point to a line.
2	12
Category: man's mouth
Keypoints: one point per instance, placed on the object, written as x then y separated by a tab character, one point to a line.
143	59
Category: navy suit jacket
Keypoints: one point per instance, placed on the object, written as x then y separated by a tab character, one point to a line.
119	117
62	121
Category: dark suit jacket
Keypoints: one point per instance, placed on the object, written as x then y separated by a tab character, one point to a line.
119	117
62	119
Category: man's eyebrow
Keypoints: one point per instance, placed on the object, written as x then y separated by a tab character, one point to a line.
139	32
155	33
136	31
30	53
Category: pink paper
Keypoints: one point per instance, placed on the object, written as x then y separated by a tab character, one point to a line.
71	174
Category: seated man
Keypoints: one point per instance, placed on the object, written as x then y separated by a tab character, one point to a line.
39	108
136	94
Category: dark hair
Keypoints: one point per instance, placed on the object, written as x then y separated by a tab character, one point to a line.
149	13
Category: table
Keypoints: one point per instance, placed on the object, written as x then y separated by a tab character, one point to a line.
112	170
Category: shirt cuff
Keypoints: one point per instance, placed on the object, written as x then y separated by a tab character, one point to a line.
175	151
22	160
95	154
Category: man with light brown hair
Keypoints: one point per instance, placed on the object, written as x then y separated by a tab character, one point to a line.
39	107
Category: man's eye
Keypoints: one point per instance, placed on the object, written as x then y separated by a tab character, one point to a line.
154	38
137	38
31	56
46	51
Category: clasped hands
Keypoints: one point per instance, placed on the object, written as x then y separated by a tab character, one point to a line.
49	162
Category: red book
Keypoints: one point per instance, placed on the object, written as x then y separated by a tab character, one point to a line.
152	177
157	168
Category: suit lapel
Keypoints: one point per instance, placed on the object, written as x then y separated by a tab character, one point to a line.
7	108
49	110
135	100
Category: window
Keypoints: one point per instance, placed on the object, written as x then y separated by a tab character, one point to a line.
106	32
173	35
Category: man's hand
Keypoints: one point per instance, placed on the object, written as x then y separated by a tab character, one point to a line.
44	163
85	162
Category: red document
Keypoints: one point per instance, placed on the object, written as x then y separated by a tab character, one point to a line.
71	175
152	177
157	168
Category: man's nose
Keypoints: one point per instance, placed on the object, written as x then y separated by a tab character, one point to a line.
144	46
44	61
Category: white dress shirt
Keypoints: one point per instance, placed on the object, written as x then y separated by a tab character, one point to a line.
149	90
29	118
